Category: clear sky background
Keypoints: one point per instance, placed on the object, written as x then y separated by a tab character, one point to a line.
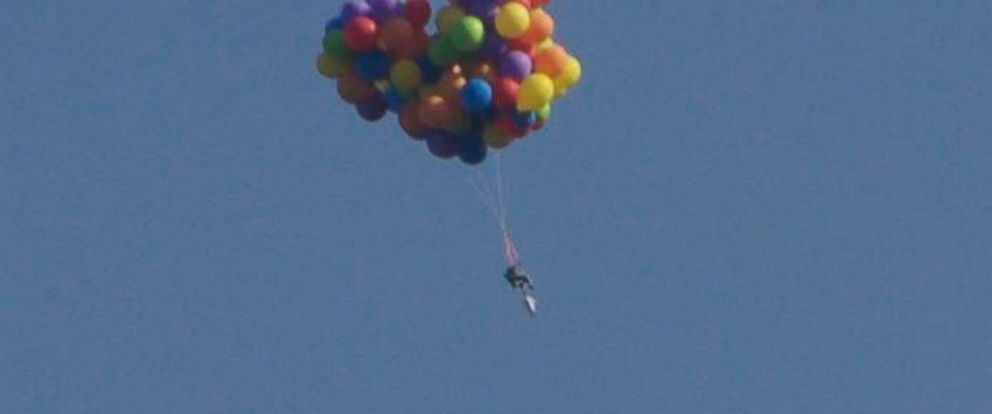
746	207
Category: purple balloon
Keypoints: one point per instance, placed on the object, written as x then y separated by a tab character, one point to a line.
372	109
515	64
442	144
493	47
382	10
353	9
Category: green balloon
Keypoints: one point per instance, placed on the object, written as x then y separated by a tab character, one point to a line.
467	34
334	45
441	53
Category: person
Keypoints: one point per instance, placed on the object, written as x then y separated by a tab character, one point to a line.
518	278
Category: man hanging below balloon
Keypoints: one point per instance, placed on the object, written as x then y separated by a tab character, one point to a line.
484	78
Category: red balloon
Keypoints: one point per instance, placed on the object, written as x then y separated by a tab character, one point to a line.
418	12
360	34
510	127
505	92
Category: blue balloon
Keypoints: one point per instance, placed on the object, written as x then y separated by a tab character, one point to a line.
472	150
476	96
333	24
428	71
394	100
373	66
525	119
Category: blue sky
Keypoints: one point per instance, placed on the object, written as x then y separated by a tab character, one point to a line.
746	207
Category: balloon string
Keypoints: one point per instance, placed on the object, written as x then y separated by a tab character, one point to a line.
490	190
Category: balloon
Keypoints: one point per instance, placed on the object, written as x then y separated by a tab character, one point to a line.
476	96
515	64
447	18
383	10
352	88
410	121
360	34
505	93
373	66
442	144
495	137
334	45
435	112
353	9
334	24
512	20
551	61
542	26
544	113
536	91
331	67
372	109
441	52
525	119
397	34
418	12
405	75
395	101
570	74
467	34
472	150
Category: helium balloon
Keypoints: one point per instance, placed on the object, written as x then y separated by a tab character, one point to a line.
570	74
476	96
472	150
512	20
505	93
536	91
410	121
334	44
405	75
467	34
495	137
355	8
515	64
360	34
418	12
435	112
551	61
330	67
442	144
397	34
447	18
373	108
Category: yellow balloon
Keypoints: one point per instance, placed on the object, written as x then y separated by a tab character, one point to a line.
330	67
570	75
512	20
447	17
545	44
406	75
536	91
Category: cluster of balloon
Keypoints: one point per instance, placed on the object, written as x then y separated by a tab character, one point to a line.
483	78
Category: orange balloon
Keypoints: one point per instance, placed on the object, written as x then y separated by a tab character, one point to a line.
352	88
396	35
550	61
435	112
542	26
410	121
